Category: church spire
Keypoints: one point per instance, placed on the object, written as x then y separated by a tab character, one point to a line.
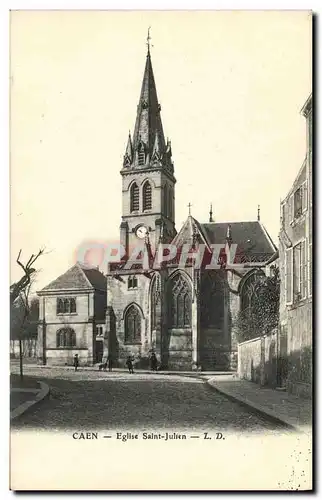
148	126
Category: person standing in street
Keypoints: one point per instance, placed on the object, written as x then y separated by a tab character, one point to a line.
76	362
154	362
129	363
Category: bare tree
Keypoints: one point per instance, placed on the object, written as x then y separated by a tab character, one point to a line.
25	281
21	290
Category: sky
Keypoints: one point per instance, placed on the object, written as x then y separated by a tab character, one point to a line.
231	85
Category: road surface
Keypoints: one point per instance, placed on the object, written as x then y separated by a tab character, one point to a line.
92	400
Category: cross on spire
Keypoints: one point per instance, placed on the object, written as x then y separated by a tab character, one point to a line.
189	206
148	38
210	214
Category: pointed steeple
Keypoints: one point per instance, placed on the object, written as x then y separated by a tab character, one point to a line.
128	157
148	126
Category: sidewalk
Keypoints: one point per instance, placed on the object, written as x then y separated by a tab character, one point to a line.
278	405
24	394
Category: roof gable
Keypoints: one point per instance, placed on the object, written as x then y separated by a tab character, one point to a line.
78	277
190	233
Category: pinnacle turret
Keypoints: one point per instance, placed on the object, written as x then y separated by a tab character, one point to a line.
128	157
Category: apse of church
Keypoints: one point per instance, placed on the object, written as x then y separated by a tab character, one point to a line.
182	313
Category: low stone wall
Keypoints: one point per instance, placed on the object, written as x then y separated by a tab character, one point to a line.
65	357
257	360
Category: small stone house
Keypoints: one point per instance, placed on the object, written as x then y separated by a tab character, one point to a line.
72	311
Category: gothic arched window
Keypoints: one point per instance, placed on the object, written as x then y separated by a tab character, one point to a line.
132	322
147	196
247	292
135	198
66	337
165	200
179	303
212	294
141	154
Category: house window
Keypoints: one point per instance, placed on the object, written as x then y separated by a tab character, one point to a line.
135	197
66	306
288	276
300	201
299	275
132	282
179	303
147	196
66	338
132	325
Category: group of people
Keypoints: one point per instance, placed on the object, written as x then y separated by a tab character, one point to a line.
153	363
129	363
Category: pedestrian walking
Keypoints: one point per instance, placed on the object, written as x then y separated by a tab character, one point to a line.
154	362
129	363
76	362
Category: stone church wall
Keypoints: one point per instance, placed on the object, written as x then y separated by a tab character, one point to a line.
119	298
180	349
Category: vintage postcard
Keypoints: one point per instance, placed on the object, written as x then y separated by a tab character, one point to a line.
161	250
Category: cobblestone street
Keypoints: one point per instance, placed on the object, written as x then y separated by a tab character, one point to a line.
92	400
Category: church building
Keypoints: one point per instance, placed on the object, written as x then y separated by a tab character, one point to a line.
184	314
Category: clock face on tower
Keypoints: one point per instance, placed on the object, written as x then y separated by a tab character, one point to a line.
141	232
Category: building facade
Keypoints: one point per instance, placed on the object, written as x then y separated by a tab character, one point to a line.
295	250
72	312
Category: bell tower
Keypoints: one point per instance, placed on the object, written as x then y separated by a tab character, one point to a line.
148	182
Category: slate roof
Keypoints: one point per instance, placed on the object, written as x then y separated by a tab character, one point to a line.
78	277
251	237
96	278
241	232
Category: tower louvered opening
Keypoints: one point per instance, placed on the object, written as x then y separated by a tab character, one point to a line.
147	196
135	198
